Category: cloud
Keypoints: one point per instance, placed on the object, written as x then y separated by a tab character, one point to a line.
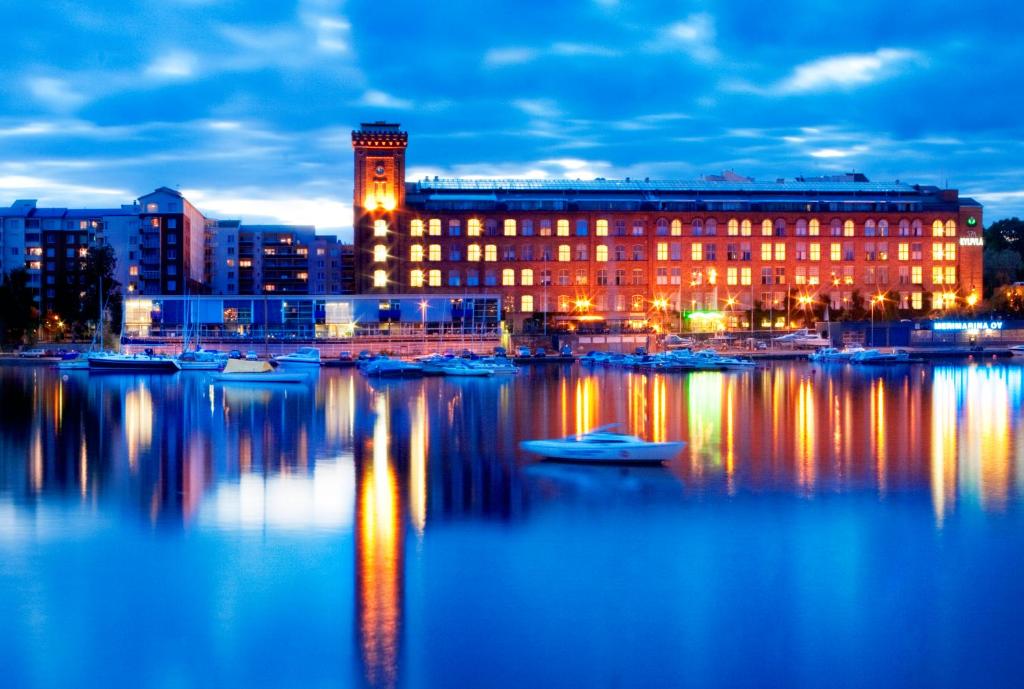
694	36
839	152
55	94
255	205
503	57
539	107
379	99
587	49
172	65
837	73
60	192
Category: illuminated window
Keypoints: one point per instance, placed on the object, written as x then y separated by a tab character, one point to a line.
491	252
951	228
677	227
950	251
380	279
271	287
526	277
473	252
564	252
916	301
950	275
848	228
938	229
745	228
915	275
473	227
731	276
601	228
835	251
815	251
766	251
545	228
245	263
937	275
526	303
563	228
733	228
713	276
581	276
380	253
508	277
510	227
903	251
434	278
434	227
380	228
416	253
814	228
696	252
435	252
133	270
766	228
662	251
745	276
937	251
812	276
780	251
601	253
416	278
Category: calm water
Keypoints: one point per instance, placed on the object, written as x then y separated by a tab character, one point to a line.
824	527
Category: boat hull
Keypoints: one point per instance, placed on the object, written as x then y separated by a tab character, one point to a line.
260	378
134	365
582	452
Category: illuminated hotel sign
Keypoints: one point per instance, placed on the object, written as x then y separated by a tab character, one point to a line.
972	241
967	325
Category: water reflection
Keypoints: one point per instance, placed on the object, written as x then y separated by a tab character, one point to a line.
388	464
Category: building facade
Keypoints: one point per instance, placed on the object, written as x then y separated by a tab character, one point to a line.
641	252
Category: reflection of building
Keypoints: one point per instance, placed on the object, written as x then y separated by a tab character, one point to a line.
624	250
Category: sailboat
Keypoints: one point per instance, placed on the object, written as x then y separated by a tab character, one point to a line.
197	359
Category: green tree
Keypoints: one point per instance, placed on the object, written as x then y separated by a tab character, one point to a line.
18	312
100	263
1002	266
1007	233
1008	301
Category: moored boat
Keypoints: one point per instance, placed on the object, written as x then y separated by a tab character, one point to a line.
303	356
133	363
602	445
241	371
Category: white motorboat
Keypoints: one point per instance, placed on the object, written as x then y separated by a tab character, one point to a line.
833	355
201	360
876	356
303	356
1017	350
601	445
134	363
240	371
462	368
385	367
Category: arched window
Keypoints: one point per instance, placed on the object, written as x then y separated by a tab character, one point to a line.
677	227
380	278
848	229
951	228
745	228
416	253
434	278
526	277
814	228
620	252
836	227
601	228
869	228
380	228
780	227
526	303
917	229
938	229
734	227
801	227
473	252
510	227
562	228
435	227
904	228
508	277
601	253
711	227
491	252
380	253
581	252
638	252
564	252
883	228
416	278
416	228
435	252
661	227
473	227
766	228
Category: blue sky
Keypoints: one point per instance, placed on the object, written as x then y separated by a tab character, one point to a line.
247	106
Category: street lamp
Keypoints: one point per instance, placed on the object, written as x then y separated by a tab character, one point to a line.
423	322
804	301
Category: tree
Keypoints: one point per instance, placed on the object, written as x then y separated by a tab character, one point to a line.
1002	266
100	263
1008	301
18	312
1007	233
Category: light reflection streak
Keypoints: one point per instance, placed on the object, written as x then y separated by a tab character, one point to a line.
878	432
944	445
138	422
418	451
378	554
806	435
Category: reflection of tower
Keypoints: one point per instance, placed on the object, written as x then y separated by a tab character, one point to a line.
379	186
379	546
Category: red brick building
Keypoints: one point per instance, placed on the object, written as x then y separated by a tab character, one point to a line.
643	252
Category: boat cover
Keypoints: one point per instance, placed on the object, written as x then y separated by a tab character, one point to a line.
242	366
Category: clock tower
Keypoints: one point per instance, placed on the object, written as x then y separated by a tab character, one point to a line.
379	196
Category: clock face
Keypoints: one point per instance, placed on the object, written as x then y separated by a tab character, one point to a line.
972	221
379	170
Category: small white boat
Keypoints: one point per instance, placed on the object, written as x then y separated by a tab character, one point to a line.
201	360
239	371
133	363
462	368
876	356
832	355
303	356
76	364
1017	350
385	367
604	446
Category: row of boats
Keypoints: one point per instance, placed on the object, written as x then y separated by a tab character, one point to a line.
860	355
675	360
437	365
